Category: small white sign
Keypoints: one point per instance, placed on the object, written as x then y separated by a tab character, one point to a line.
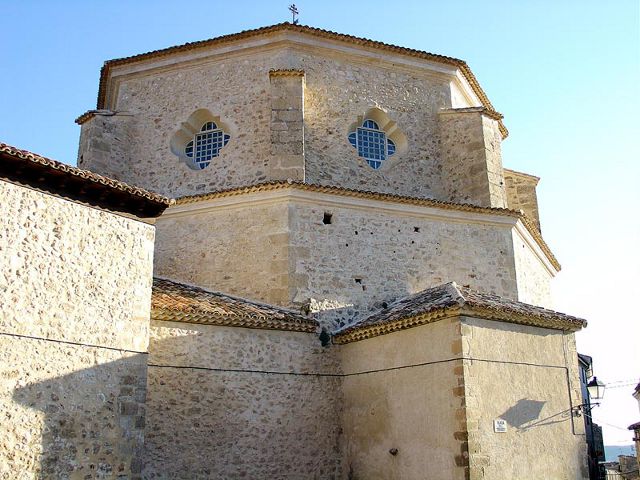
500	425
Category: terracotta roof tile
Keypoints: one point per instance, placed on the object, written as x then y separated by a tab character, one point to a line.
44	173
318	32
178	302
421	201
450	299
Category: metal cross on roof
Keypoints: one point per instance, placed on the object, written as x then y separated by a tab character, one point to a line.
294	13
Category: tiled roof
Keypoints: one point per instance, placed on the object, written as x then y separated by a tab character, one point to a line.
318	32
44	173
176	302
451	299
421	201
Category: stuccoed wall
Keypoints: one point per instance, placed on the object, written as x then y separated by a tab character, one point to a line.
241	403
533	279
241	251
236	87
75	289
405	391
529	377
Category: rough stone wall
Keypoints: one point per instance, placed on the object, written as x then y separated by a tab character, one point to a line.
471	158
338	91
75	289
287	122
527	376
521	194
105	145
240	403
241	251
533	280
402	394
237	88
364	258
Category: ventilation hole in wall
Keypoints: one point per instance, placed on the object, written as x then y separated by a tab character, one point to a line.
358	281
398	230
327	218
346	244
356	232
385	305
364	287
412	242
416	229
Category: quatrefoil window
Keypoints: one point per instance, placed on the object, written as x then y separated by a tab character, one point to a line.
376	138
206	145
372	143
201	139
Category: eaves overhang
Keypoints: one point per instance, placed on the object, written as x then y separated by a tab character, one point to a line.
458	64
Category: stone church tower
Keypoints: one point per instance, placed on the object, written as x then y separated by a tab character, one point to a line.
349	284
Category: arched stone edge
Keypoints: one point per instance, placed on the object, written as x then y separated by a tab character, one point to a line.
389	127
188	129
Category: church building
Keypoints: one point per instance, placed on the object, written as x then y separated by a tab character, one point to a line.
286	253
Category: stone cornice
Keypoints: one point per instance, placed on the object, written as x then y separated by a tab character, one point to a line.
484	214
468	75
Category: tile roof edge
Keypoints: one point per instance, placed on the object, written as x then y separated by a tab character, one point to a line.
167	315
34	160
422	201
288	311
284	26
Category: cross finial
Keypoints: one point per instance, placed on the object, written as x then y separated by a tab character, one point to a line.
294	13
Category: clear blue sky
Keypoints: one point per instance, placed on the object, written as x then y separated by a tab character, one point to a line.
564	73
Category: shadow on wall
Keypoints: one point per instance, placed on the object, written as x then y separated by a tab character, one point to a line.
525	415
201	418
93	420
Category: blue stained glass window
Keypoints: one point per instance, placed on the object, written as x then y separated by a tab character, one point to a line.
372	143
206	145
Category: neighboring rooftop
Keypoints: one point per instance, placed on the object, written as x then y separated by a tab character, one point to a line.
41	173
452	299
318	32
178	302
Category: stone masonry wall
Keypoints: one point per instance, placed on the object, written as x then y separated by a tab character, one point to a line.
471	158
287	122
75	289
338	91
365	257
241	403
237	89
521	194
105	143
240	251
527	376
403	405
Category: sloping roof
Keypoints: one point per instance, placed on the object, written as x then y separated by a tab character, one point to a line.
27	168
390	197
450	299
177	302
318	32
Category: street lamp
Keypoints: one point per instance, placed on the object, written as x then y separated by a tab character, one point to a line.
596	389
